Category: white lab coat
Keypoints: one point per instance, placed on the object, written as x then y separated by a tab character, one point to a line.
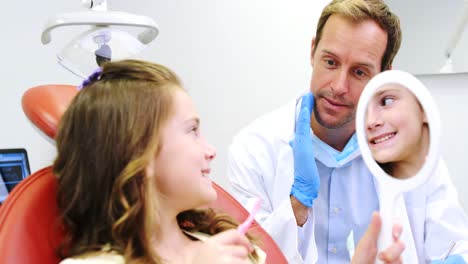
260	164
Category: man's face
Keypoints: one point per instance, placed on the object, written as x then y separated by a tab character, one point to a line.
348	55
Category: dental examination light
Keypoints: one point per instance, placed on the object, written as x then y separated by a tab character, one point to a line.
102	41
448	67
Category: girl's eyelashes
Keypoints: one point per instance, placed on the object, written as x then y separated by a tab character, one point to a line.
195	130
387	100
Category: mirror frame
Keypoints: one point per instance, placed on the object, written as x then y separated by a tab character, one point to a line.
433	118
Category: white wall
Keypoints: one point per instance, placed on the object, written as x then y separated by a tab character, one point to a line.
430	33
238	59
26	63
450	91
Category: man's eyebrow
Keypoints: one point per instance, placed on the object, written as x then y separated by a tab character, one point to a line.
329	52
368	65
365	64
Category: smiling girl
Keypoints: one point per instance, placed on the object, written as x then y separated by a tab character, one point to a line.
132	170
397	130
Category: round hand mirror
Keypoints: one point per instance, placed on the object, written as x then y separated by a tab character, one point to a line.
398	131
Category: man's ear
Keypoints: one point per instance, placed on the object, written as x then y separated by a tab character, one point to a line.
312	51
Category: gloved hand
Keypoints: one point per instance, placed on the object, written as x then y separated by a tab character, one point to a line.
306	178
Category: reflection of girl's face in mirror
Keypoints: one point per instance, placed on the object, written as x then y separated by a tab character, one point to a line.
397	131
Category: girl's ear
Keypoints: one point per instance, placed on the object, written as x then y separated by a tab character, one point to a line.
150	170
424	117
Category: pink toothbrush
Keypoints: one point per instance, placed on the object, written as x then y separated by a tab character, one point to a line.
246	224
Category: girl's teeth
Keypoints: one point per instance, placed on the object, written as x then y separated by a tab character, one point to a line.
383	139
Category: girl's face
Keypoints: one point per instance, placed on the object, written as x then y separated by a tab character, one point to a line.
394	125
182	166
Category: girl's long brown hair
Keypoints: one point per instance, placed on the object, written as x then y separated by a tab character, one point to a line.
105	140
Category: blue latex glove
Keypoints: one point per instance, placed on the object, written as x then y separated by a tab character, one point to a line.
455	259
306	178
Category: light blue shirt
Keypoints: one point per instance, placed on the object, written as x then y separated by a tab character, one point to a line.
346	200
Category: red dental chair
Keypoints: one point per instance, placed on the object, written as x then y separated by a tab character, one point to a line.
30	230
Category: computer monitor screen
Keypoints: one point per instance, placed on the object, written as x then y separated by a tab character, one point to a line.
14	167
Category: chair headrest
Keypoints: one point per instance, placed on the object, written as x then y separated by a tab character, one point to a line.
44	105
